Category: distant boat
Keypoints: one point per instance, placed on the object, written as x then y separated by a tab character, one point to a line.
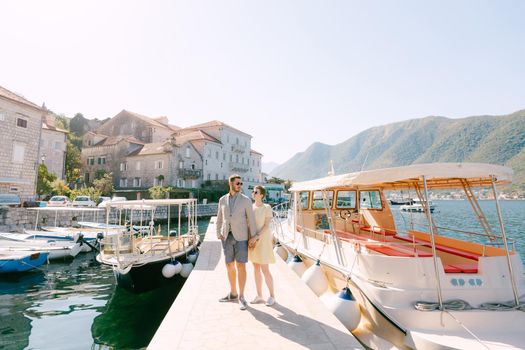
417	206
406	201
13	262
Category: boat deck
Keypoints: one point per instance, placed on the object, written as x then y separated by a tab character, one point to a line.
197	320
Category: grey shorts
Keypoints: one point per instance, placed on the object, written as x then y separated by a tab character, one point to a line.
235	250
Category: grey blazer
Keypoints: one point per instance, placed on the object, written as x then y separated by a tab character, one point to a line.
240	218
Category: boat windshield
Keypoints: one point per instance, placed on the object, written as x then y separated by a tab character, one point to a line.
318	203
370	200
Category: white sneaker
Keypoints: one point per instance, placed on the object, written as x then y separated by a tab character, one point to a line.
242	303
270	301
257	300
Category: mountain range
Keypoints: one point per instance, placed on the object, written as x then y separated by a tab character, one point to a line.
485	139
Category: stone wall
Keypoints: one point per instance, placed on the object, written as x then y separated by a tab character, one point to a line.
18	219
20	130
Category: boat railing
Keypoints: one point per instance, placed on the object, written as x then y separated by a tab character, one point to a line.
493	241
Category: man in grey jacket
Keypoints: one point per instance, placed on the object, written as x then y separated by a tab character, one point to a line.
234	219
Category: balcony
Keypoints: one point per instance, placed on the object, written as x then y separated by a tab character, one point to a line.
188	174
238	148
239	167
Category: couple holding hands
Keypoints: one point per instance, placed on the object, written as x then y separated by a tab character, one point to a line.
244	230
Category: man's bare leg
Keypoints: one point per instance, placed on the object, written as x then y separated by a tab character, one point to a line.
241	269
232	278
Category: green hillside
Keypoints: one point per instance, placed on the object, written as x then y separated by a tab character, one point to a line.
487	139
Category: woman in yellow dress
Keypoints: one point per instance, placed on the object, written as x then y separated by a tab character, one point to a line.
261	246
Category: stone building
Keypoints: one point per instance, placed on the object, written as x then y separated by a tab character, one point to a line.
154	152
225	150
108	155
20	131
53	146
145	129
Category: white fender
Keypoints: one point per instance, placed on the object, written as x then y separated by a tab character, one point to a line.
169	270
186	270
281	251
315	278
192	257
345	307
297	265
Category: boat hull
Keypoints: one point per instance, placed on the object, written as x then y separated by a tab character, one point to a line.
22	263
140	279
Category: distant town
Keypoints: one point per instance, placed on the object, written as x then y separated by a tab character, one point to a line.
127	155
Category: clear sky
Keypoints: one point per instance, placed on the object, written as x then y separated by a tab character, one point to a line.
287	72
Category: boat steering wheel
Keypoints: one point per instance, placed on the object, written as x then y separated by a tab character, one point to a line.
345	214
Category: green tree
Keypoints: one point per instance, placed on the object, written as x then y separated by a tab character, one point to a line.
45	178
73	162
158	192
104	184
92	192
60	188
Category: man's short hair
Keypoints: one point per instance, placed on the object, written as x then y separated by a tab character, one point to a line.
233	177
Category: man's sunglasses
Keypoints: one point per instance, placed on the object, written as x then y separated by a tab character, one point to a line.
238	183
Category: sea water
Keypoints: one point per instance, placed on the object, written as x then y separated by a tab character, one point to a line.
76	305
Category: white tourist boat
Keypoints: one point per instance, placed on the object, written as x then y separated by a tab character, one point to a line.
57	249
143	260
416	289
417	206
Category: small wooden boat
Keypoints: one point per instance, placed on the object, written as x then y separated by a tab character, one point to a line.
13	262
146	259
57	249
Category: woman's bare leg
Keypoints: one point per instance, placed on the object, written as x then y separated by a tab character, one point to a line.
258	278
268	278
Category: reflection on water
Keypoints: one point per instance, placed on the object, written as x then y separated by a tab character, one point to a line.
459	215
76	305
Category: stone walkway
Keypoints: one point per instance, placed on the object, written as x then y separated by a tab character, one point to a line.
196	320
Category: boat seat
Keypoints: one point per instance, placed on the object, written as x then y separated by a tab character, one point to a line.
379	230
387	250
461	268
450	250
393	250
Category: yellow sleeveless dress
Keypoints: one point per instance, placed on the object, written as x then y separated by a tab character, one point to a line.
263	251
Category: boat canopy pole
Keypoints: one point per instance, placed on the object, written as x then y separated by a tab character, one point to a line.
337	244
477	210
504	237
295	213
36	221
433	243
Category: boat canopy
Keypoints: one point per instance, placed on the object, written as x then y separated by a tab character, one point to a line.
438	175
73	209
149	203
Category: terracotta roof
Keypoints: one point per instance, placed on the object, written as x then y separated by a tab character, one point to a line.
48	123
150	148
152	121
199	146
212	124
113	140
15	97
197	135
255	152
